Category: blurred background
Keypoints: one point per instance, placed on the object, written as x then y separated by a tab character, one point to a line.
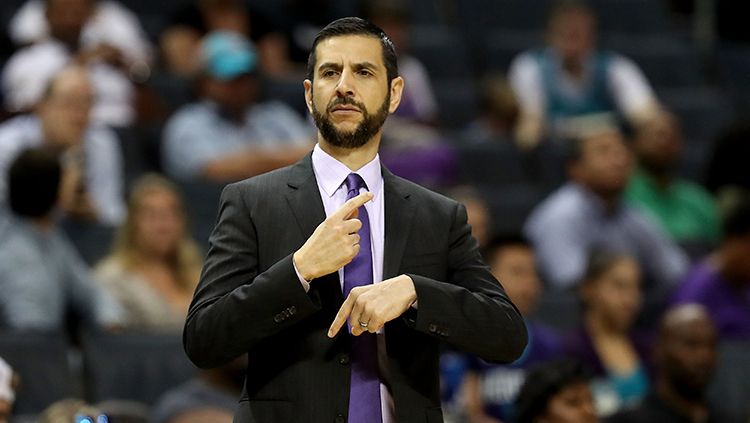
600	147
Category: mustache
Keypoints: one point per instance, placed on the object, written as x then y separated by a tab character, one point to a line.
345	101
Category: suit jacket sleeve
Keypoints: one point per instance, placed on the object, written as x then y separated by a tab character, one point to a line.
235	305
471	311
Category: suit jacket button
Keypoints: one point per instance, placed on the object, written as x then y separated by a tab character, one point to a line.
278	318
344	359
340	419
432	328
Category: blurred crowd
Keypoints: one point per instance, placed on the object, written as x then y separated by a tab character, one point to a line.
600	148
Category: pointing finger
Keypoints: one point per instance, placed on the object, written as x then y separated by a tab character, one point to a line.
341	317
351	206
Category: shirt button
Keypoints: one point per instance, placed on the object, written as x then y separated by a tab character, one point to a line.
340	419
344	359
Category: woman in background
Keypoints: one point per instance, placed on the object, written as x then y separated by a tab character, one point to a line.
610	293
155	265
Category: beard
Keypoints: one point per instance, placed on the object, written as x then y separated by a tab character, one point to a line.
367	128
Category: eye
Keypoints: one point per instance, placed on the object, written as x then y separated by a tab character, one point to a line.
329	73
364	72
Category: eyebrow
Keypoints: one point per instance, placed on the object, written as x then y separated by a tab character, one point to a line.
356	66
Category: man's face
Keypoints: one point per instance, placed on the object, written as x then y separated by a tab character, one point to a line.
572	35
515	267
65	112
658	143
349	96
687	355
604	164
67	17
234	95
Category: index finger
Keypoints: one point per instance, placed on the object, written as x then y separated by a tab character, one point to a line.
351	205
341	317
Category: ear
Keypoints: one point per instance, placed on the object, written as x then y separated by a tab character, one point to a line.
397	89
308	95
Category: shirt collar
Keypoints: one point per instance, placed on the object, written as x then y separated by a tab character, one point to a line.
331	173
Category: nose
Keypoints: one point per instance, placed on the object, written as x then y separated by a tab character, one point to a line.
344	87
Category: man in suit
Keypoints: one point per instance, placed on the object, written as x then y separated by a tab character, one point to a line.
339	279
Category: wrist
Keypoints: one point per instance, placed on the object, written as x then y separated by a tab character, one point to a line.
302	270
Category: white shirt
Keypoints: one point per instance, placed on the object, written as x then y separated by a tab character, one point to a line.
331	176
103	166
111	23
28	72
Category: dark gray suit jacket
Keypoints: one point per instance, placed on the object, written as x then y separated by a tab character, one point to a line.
250	300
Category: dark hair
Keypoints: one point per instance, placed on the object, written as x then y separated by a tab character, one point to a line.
736	221
33	182
562	7
500	242
600	261
355	26
542	383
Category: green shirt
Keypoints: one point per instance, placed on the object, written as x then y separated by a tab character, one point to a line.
684	209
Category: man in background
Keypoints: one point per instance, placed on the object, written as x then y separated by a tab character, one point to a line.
229	134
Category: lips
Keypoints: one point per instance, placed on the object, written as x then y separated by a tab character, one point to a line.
345	108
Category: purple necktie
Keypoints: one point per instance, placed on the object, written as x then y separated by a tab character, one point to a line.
364	395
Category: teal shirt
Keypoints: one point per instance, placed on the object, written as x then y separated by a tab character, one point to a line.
685	210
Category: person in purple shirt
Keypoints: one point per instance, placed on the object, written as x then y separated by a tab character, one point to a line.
491	389
721	282
617	356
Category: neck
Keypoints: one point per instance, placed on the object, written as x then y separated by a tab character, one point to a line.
598	327
661	176
696	410
353	158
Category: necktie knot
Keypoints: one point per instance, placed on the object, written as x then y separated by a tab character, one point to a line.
354	183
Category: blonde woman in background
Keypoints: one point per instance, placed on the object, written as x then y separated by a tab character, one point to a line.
155	265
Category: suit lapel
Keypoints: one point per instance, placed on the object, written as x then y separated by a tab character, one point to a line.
304	200
399	211
303	197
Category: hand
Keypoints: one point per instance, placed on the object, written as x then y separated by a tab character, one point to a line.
334	243
375	305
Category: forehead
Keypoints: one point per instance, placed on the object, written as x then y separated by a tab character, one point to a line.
349	49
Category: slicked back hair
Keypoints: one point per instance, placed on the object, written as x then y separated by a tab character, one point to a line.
355	26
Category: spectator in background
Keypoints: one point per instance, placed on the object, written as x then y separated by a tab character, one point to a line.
685	359
477	212
412	148
684	209
155	265
210	397
491	389
44	281
617	355
499	112
181	40
588	213
418	102
7	391
721	282
229	135
103	37
90	153
570	78
556	392
107	22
